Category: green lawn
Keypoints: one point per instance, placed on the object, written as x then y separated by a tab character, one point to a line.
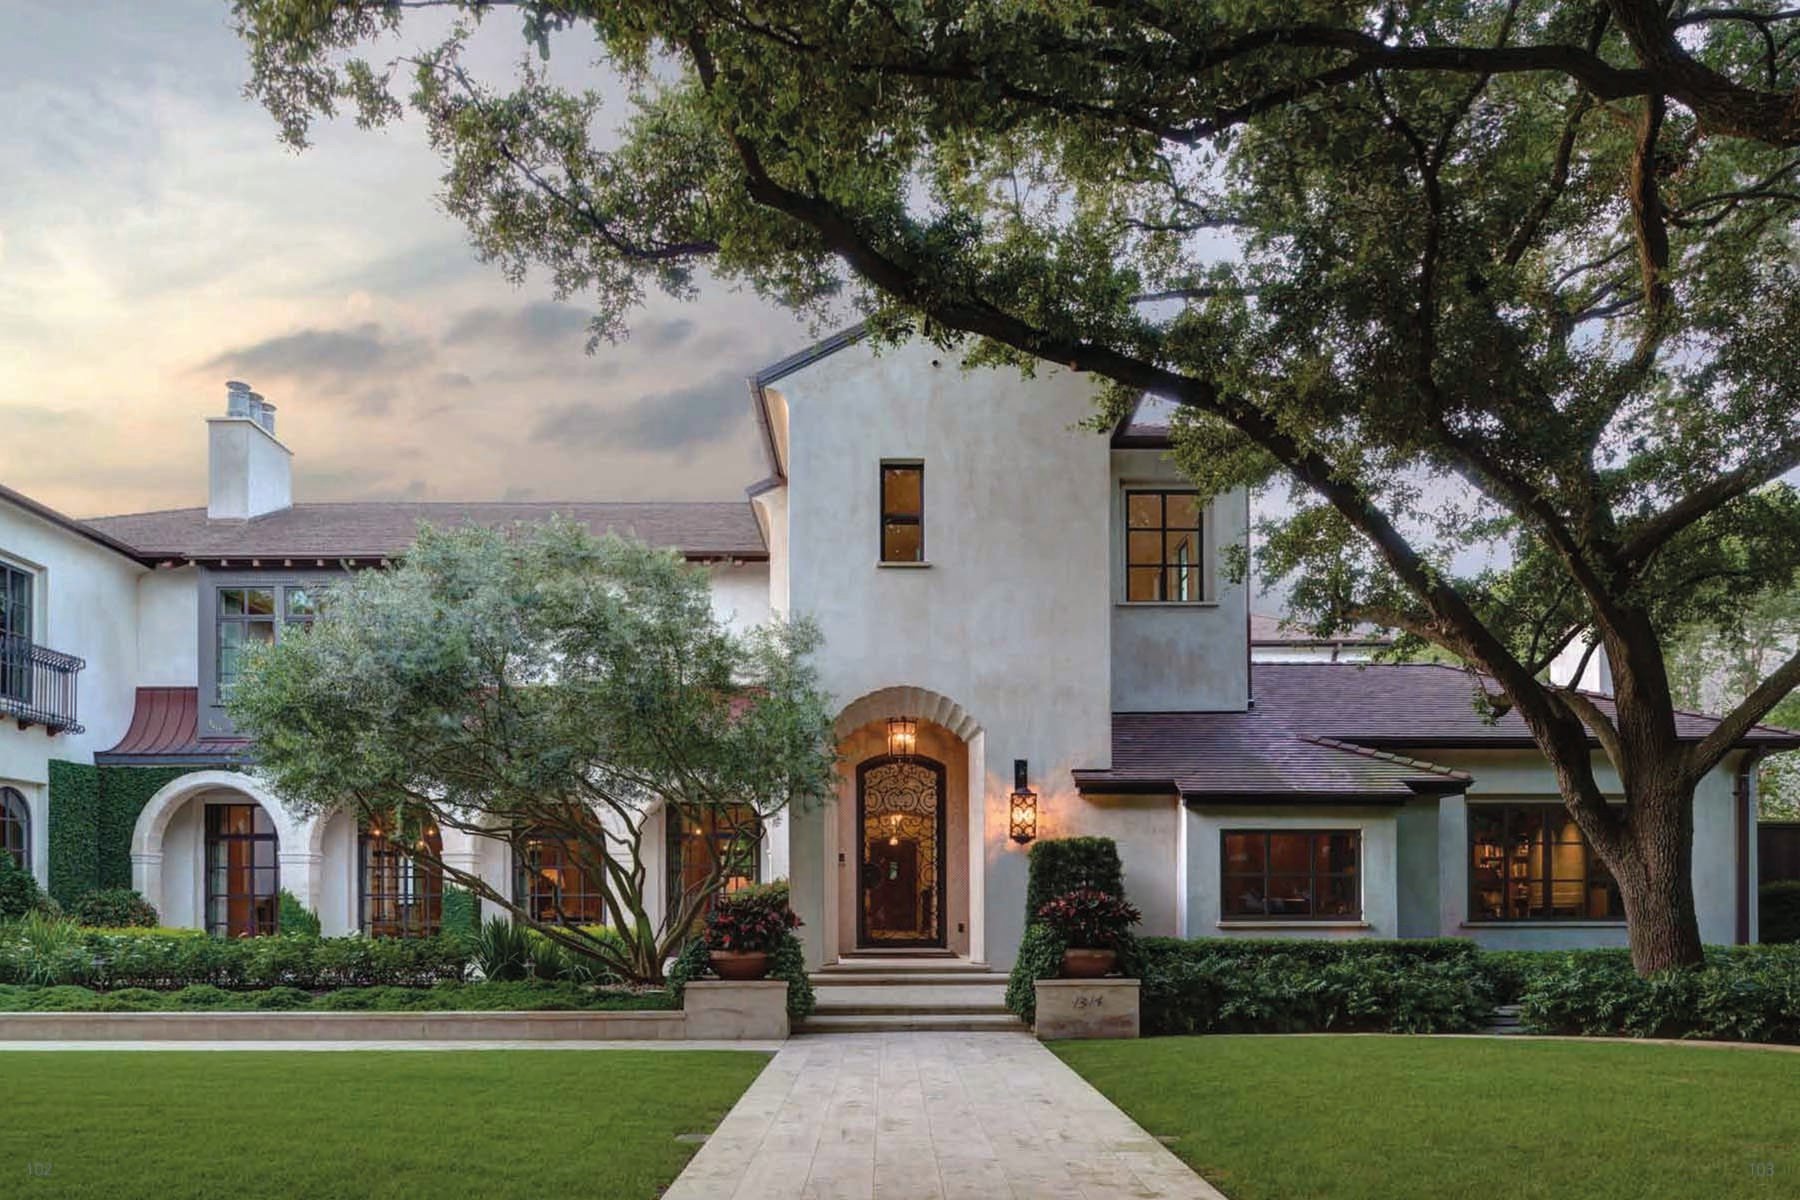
475	1123
1287	1118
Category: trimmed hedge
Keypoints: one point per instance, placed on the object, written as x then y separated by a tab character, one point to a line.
115	908
447	997
1060	865
19	892
1742	993
1224	985
1778	910
164	962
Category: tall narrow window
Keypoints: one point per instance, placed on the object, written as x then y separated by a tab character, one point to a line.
1163	559
401	896
554	883
243	877
246	618
736	842
1529	862
1298	875
15	828
902	512
15	633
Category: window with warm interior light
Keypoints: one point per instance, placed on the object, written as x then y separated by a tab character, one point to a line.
401	895
730	836
902	512
1291	875
1529	862
1164	547
15	828
554	882
243	875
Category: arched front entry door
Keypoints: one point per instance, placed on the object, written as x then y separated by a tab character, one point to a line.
900	822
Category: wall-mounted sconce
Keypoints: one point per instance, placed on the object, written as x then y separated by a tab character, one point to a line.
903	737
1024	806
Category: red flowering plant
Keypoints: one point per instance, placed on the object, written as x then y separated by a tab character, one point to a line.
1089	918
751	919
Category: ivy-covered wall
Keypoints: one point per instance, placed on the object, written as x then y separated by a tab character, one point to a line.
92	813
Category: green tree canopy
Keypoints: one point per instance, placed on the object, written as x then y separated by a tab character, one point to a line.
532	683
1505	289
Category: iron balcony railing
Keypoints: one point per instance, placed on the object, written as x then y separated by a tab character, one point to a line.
37	685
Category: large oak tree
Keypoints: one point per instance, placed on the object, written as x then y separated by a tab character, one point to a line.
1505	289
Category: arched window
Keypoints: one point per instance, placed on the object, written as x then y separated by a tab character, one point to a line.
401	896
15	827
553	883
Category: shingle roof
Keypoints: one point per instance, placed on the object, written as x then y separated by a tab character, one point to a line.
377	529
165	728
1269	630
1422	705
1329	731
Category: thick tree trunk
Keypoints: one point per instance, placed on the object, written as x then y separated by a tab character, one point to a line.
1656	879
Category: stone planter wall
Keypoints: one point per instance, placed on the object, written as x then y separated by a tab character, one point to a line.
715	1011
1086	1008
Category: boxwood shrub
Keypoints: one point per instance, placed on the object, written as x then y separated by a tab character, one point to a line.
116	908
1742	993
1224	985
167	962
528	996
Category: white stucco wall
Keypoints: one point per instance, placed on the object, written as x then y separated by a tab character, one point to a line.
1179	657
83	604
167	652
1011	618
1380	869
740	594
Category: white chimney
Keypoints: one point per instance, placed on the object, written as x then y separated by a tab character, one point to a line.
249	472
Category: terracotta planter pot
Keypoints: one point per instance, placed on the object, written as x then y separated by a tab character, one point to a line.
1088	964
740	964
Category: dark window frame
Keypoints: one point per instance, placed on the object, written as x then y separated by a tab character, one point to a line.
267	921
895	516
18	630
1226	875
526	866
15	826
675	838
1595	873
274	619
414	889
1162	529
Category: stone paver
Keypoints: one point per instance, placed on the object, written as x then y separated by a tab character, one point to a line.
647	1044
929	1116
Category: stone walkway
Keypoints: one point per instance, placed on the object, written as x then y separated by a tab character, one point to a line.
929	1116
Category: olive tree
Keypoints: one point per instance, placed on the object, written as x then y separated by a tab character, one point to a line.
531	683
1504	289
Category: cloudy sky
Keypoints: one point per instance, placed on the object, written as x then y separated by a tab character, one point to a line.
156	240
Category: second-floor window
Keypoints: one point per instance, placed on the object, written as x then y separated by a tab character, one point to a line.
902	512
15	633
247	618
1163	557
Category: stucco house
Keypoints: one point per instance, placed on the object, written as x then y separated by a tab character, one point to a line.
1029	632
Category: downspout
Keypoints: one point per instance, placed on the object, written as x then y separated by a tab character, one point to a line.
1743	794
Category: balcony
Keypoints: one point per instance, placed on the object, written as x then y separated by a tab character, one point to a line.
37	685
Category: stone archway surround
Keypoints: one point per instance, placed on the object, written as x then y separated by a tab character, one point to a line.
153	874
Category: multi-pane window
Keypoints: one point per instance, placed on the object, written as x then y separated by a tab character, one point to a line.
736	837
15	633
1291	874
15	828
246	618
301	603
902	512
553	883
1529	862
401	896
1163	546
243	876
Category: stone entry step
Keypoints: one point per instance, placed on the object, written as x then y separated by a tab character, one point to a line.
891	965
1002	1022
